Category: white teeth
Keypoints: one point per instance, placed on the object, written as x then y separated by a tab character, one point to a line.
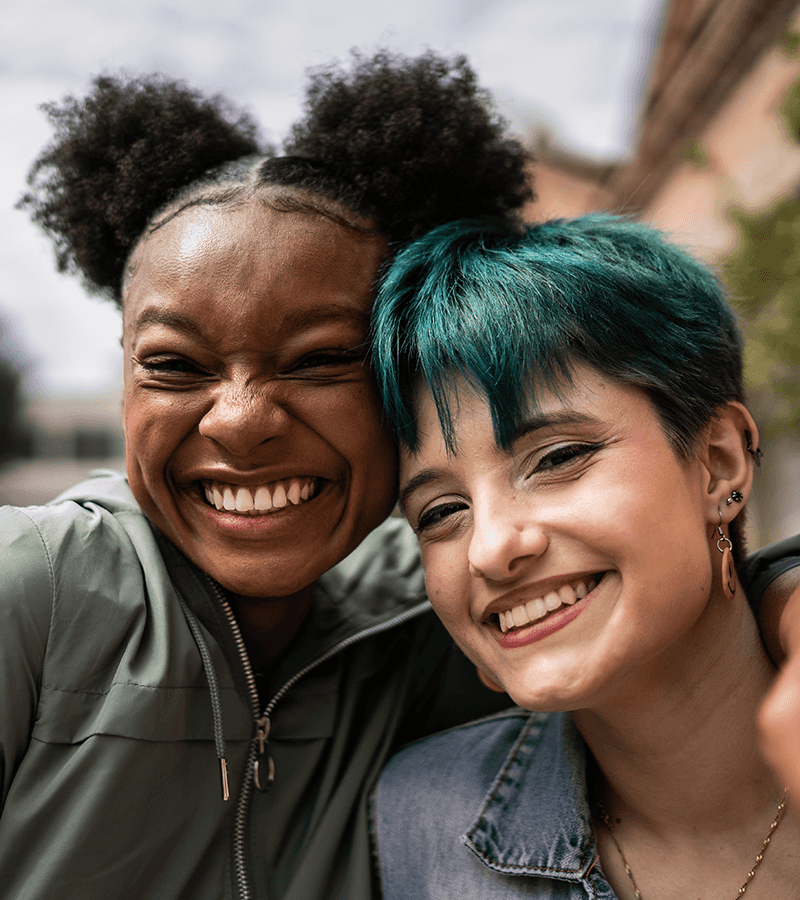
519	616
552	601
263	499
244	500
567	594
532	610
233	498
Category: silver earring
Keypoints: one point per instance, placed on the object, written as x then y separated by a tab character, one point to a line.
735	497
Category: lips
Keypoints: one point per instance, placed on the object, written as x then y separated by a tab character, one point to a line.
539	607
258	500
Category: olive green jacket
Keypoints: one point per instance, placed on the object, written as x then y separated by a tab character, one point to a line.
124	681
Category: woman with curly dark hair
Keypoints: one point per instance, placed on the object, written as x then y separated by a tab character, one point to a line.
234	597
197	611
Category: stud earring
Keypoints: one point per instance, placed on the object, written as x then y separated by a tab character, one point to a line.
735	497
725	547
756	454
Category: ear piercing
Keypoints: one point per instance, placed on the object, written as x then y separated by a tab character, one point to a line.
756	454
725	547
735	497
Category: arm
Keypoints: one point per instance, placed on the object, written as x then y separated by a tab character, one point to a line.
779	717
26	591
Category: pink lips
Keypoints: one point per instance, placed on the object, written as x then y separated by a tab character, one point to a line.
534	632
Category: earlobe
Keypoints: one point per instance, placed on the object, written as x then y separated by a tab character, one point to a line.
727	460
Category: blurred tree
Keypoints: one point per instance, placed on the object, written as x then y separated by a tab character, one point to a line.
763	275
15	438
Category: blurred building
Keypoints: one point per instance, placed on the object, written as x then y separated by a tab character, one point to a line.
70	436
710	139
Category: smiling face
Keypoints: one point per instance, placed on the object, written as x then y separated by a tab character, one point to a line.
253	433
571	560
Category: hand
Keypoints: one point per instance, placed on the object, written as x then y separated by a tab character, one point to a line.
779	716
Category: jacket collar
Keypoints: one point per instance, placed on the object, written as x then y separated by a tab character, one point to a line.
536	819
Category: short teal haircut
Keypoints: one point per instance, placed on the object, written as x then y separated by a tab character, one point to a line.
513	309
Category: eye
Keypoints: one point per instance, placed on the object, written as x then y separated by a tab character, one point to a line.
171	367
435	517
330	359
564	454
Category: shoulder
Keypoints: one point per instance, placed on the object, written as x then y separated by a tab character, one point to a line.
432	793
457	766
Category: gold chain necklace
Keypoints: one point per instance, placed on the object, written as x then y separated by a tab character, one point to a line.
606	820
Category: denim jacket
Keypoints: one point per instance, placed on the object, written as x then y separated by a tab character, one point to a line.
494	809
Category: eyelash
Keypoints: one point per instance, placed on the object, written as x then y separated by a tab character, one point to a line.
435	516
565	454
171	365
559	456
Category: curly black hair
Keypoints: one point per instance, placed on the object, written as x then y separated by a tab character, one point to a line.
407	143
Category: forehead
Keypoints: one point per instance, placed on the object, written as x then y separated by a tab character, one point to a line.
229	256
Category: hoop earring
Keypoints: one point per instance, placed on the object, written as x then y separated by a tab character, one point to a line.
725	547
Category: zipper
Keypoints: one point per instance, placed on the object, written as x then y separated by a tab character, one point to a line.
260	769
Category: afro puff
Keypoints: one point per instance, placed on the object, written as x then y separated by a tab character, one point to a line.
408	143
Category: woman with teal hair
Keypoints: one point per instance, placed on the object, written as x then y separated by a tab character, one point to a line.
576	458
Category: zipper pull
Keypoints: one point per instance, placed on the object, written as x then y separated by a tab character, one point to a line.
264	768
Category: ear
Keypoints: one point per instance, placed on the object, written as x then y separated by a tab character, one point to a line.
729	466
492	685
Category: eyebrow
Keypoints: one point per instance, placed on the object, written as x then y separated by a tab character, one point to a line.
526	427
551	420
170	318
293	322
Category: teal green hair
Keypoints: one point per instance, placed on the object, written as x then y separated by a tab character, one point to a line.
513	310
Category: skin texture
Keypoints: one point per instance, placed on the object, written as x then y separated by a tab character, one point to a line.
662	672
523	523
244	341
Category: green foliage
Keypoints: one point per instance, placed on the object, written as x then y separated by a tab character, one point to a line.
695	154
790	42
763	274
790	112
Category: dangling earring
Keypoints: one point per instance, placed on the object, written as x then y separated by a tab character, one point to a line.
725	547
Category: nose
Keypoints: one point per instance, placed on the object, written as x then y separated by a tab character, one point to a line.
243	415
503	539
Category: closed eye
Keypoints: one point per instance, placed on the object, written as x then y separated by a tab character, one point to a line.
565	454
437	515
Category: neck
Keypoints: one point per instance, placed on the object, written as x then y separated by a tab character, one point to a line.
676	744
269	624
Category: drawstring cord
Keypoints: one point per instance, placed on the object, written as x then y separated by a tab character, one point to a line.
213	685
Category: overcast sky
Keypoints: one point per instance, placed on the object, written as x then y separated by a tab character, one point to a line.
576	66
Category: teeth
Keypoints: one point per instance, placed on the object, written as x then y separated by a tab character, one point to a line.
244	500
233	498
263	499
532	610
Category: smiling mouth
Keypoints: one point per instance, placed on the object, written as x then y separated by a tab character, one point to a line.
534	611
259	500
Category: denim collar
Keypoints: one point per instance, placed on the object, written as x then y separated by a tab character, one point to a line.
536	819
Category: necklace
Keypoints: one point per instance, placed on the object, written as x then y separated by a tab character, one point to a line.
606	820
